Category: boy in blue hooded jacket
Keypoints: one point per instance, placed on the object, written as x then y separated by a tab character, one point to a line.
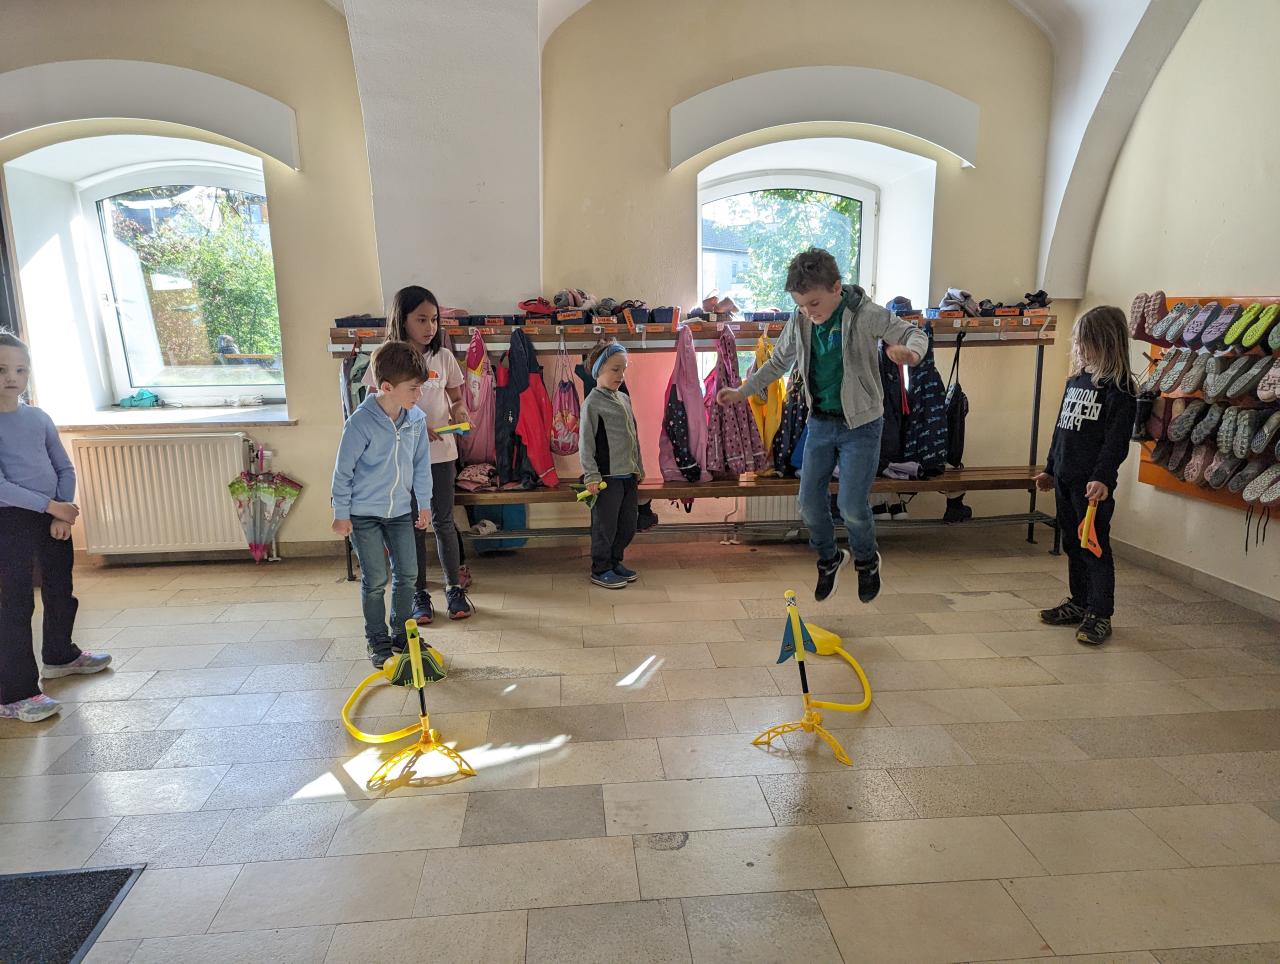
384	455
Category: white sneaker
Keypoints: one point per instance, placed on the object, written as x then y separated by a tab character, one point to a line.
82	665
31	710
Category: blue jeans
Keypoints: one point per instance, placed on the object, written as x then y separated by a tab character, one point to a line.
857	452
371	535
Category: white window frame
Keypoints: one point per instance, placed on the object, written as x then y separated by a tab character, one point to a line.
805	180
137	177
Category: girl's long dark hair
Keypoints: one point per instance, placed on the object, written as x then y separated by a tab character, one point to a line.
406	302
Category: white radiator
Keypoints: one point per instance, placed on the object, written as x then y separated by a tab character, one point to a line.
772	509
159	493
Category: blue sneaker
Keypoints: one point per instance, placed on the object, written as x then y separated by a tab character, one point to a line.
630	575
610	580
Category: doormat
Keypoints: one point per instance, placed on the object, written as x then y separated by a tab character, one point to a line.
53	917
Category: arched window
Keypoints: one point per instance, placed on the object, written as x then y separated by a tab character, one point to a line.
188	280
751	226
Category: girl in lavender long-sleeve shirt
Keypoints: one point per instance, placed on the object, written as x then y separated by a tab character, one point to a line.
37	486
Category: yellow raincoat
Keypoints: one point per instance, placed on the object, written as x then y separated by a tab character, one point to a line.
767	411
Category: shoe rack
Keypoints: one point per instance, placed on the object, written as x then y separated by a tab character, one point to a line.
1157	475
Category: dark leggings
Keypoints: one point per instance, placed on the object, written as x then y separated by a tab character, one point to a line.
28	544
448	538
1092	578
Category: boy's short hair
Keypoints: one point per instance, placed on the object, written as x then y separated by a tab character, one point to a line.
10	340
395	362
814	268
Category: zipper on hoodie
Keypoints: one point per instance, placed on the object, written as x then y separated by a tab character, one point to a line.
391	496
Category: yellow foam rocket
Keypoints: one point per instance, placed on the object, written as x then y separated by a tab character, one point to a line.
821	642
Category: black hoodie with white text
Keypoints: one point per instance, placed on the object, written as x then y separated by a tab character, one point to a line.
1091	439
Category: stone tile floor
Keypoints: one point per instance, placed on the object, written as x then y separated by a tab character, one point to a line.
1013	794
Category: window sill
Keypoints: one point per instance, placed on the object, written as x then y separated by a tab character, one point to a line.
148	419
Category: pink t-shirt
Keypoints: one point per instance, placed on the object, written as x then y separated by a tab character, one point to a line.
445	373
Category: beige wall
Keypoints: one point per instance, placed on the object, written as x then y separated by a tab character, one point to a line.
321	216
619	223
1192	210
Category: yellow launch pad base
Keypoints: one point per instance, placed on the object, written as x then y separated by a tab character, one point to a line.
826	644
395	672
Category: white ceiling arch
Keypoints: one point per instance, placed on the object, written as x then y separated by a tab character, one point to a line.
861	95
70	90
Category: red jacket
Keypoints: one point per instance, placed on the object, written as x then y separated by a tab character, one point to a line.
533	419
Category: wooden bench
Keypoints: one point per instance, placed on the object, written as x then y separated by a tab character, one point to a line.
1007	477
987	478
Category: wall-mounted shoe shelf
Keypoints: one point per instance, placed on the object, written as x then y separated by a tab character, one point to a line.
1157	475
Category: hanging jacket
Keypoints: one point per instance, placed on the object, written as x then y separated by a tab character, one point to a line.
925	437
795	415
896	407
733	442
767	410
523	419
478	446
682	443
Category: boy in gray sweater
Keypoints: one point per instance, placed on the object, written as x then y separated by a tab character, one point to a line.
611	465
832	337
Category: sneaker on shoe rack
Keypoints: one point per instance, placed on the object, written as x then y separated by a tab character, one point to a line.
459	605
1094	630
83	665
829	574
380	649
464	577
31	710
423	610
1066	613
609	580
868	579
630	575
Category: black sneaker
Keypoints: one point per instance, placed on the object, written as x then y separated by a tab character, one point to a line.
379	650
829	574
1066	613
459	605
423	611
1095	630
646	518
868	579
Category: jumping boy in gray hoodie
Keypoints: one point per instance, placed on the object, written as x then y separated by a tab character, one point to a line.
383	456
833	337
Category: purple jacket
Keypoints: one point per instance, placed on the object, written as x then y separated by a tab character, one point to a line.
733	440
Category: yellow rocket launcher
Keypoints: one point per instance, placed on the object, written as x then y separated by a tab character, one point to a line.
416	667
797	638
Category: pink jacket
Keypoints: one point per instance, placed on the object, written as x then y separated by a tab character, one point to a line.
478	397
684	379
733	441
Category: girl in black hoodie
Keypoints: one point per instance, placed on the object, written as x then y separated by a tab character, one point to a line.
1090	442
